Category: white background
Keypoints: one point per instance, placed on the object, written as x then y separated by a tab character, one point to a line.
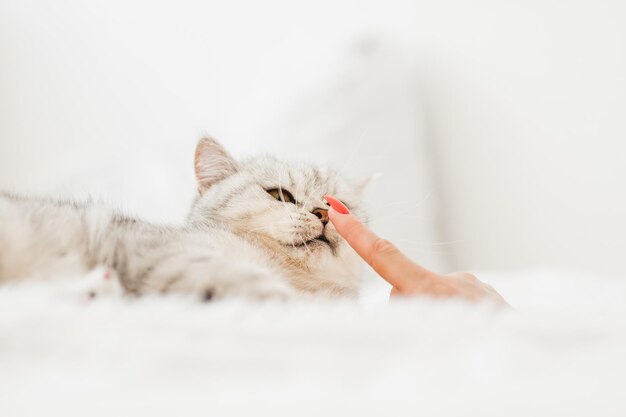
498	126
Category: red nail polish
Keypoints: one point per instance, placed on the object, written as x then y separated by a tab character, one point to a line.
336	204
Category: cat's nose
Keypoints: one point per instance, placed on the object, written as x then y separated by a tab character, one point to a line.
321	214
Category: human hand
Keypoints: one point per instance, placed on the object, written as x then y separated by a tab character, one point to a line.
406	277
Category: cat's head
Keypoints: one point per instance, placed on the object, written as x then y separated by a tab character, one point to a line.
279	206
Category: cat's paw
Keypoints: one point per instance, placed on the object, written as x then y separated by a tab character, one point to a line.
229	280
100	282
254	282
103	282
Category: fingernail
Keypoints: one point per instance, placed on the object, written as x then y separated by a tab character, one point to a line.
336	204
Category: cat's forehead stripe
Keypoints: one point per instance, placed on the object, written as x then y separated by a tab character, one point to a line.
306	182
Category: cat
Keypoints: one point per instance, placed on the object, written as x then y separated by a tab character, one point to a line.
258	228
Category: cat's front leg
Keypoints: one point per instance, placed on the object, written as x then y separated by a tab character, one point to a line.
217	279
153	260
208	275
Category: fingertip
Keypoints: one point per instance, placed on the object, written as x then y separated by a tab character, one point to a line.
333	214
336	204
351	229
340	220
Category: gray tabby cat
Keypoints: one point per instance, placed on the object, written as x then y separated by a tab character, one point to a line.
259	228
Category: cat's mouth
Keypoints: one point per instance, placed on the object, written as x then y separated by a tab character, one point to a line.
321	239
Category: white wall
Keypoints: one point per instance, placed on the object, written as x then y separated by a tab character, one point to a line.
515	107
526	105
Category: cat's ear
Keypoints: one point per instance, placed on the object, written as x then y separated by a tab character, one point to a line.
364	182
212	163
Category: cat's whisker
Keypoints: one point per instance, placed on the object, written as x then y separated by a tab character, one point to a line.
265	227
282	176
306	248
297	185
407	216
354	151
402	203
385	212
400	241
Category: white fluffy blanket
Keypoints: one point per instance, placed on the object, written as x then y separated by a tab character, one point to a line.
560	353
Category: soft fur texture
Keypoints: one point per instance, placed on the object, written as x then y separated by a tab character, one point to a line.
560	354
240	240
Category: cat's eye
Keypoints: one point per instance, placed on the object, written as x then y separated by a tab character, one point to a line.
281	194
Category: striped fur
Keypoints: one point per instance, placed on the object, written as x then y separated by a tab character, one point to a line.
238	239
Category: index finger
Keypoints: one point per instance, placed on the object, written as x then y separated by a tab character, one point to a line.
380	254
